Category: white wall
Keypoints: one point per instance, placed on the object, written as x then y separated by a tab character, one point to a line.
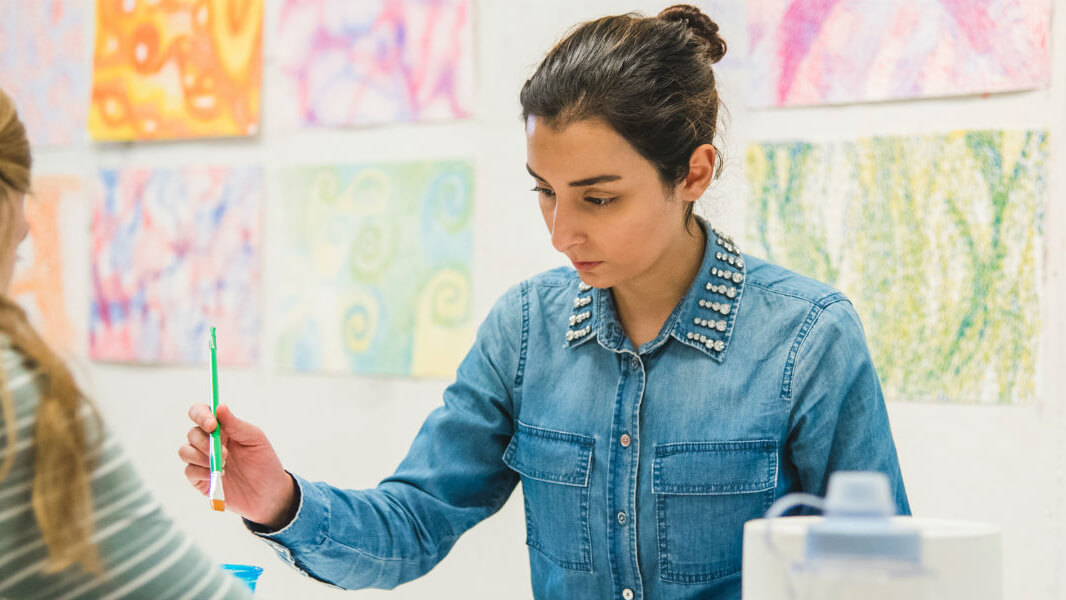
998	464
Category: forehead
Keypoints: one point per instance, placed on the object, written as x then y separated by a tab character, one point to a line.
578	147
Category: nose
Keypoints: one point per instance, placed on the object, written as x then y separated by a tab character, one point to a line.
567	229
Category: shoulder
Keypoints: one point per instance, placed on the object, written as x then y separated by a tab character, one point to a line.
552	288
774	293
767	279
543	298
553	281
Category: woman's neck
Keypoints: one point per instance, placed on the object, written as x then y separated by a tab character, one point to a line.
645	302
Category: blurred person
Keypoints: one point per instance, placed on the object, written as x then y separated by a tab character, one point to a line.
75	519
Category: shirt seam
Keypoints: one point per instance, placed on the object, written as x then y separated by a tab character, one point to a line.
398	559
552	278
524	343
801	336
823	301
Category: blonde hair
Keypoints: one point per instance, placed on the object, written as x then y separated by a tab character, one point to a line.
62	501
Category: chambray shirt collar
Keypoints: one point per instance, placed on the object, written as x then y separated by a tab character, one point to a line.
703	319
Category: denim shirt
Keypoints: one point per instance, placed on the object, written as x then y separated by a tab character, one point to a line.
639	466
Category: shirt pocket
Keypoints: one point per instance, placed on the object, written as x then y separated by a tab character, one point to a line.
555	467
704	493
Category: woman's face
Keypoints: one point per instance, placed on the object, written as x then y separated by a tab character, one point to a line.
16	231
604	204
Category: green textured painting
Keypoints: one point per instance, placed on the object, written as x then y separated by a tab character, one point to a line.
937	240
376	268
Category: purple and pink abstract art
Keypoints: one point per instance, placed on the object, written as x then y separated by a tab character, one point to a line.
840	51
174	252
374	61
44	66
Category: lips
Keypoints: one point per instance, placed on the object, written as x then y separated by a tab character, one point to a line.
585	265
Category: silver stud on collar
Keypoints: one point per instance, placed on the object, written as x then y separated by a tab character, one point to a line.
579	333
580	318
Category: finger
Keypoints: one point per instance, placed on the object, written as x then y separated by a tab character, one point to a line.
198	476
193	457
234	428
200	442
198	439
201	415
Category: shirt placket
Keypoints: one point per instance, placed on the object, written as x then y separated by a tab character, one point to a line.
622	478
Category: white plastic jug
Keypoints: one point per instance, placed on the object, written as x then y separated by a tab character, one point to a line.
857	551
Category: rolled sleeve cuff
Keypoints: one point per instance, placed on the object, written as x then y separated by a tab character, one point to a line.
306	530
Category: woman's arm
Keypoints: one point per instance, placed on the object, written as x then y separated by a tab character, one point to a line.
452	478
838	419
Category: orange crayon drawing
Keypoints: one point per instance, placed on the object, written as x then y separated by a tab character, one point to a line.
38	283
176	69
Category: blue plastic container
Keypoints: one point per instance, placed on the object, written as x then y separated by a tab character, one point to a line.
249	574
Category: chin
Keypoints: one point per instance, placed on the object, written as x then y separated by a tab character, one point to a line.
595	280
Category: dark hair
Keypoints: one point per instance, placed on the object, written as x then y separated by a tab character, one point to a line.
649	78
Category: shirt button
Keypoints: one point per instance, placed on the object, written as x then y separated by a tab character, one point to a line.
625	440
635	362
622	518
627	594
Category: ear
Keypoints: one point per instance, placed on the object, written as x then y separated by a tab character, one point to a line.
700	173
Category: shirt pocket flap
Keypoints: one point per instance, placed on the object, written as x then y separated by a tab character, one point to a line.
715	468
550	455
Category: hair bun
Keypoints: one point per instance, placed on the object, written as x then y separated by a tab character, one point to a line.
700	24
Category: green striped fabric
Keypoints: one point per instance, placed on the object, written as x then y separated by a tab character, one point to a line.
144	554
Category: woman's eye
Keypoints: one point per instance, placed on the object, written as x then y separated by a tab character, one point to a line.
544	191
600	201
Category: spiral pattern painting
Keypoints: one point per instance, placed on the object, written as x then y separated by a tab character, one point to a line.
377	262
937	240
176	69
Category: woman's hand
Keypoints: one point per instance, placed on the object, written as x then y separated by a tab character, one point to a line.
255	484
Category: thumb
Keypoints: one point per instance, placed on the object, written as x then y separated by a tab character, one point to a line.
236	429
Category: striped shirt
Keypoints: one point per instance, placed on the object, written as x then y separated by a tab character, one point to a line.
143	554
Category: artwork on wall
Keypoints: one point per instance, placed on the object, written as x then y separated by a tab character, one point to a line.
176	69
174	252
937	240
44	67
38	284
377	264
374	61
832	51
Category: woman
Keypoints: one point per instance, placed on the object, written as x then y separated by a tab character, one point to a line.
651	399
75	521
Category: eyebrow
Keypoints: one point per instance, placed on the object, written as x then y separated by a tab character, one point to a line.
581	182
